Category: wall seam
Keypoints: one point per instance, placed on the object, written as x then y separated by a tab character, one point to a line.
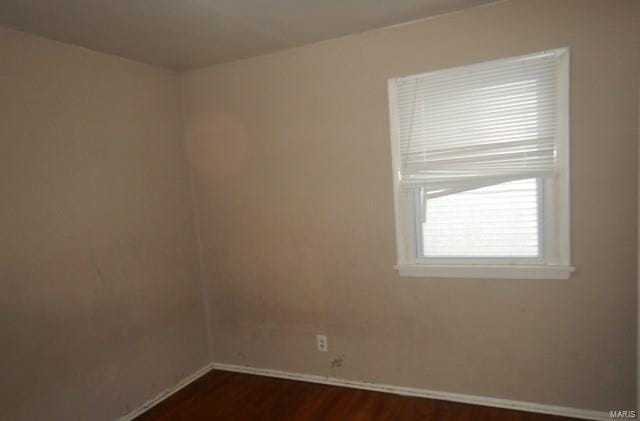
196	216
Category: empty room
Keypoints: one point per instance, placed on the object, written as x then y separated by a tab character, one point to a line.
319	210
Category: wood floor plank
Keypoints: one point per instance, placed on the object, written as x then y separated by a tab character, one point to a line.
221	395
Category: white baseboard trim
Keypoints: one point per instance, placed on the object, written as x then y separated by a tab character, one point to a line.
166	393
376	387
423	393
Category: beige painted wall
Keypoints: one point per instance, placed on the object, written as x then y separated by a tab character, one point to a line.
100	302
293	183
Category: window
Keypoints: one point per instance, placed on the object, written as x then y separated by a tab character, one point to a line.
480	160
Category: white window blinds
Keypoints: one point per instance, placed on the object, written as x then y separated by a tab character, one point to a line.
501	220
478	125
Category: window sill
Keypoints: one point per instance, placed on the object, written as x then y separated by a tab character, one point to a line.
485	271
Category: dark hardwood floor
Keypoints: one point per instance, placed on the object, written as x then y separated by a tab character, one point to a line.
221	395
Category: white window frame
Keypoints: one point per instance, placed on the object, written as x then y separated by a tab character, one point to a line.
554	262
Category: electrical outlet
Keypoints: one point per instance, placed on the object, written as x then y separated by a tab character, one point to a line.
323	343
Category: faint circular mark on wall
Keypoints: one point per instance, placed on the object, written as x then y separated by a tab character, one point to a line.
217	143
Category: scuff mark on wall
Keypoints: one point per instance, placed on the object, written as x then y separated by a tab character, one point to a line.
337	362
99	272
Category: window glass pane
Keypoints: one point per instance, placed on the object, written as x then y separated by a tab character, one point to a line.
496	221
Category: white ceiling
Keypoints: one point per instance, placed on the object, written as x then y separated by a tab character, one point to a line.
184	34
